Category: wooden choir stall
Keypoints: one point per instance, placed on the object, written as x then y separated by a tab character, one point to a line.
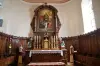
9	48
87	47
44	46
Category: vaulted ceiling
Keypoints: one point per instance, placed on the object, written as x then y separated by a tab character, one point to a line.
46	1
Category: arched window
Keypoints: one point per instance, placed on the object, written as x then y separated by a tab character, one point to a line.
88	16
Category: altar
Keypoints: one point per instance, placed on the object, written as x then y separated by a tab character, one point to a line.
45	52
46	55
45	44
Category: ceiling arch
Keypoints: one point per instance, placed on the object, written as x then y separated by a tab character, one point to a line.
46	1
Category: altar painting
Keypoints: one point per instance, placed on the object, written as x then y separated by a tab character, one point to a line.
45	20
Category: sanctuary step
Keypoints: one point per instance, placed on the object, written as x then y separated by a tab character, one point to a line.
47	64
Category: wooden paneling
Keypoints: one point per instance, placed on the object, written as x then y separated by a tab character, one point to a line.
9	54
6	61
87	47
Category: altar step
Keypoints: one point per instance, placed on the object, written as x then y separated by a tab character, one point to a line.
68	64
46	64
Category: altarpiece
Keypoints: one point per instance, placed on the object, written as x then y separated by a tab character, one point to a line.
45	25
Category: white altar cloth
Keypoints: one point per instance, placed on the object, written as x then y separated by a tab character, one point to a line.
45	51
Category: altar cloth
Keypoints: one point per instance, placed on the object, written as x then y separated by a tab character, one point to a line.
47	64
45	51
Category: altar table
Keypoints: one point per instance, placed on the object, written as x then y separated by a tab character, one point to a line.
45	51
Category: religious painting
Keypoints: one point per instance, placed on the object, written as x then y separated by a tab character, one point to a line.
45	20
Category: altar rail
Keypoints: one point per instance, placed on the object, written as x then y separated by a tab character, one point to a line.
87	47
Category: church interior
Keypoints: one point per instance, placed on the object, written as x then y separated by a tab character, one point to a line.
49	33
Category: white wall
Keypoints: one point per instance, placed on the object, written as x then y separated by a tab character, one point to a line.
17	17
96	8
71	18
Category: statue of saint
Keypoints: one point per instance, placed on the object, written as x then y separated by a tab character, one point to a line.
71	55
